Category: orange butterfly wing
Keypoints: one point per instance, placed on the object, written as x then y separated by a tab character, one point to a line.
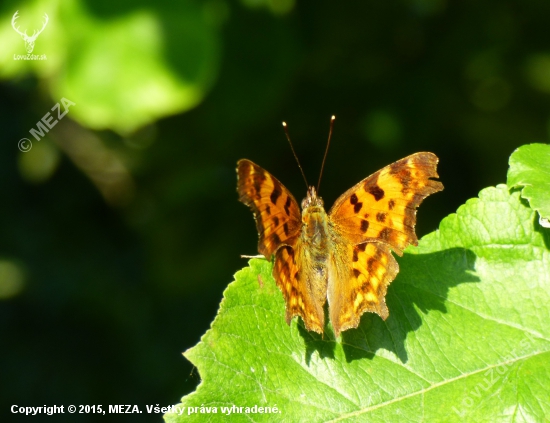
382	207
304	299
359	280
275	210
279	221
377	213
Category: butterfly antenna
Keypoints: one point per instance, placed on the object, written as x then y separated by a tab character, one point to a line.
293	152
326	151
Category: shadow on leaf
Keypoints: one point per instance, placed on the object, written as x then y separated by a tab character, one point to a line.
323	344
544	232
422	284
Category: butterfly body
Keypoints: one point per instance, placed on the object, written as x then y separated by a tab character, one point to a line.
343	256
315	232
312	252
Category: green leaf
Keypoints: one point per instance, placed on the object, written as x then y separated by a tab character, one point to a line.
124	70
530	170
467	337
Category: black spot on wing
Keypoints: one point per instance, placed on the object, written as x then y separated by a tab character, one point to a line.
376	191
381	216
370	264
275	194
364	225
353	199
287	206
385	234
357	207
366	287
259	178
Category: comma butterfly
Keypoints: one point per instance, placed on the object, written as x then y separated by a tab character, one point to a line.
343	256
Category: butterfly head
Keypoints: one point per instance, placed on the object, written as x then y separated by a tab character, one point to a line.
312	200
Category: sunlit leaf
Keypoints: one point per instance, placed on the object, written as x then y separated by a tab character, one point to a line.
467	337
530	170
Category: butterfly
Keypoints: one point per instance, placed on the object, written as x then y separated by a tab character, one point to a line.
343	256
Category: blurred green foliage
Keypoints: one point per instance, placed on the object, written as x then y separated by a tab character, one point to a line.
121	227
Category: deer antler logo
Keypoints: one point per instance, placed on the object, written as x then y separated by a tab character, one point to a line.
29	41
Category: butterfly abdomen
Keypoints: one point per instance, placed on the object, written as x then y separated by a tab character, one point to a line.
315	239
314	251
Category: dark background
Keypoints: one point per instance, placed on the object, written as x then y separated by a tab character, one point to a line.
103	285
